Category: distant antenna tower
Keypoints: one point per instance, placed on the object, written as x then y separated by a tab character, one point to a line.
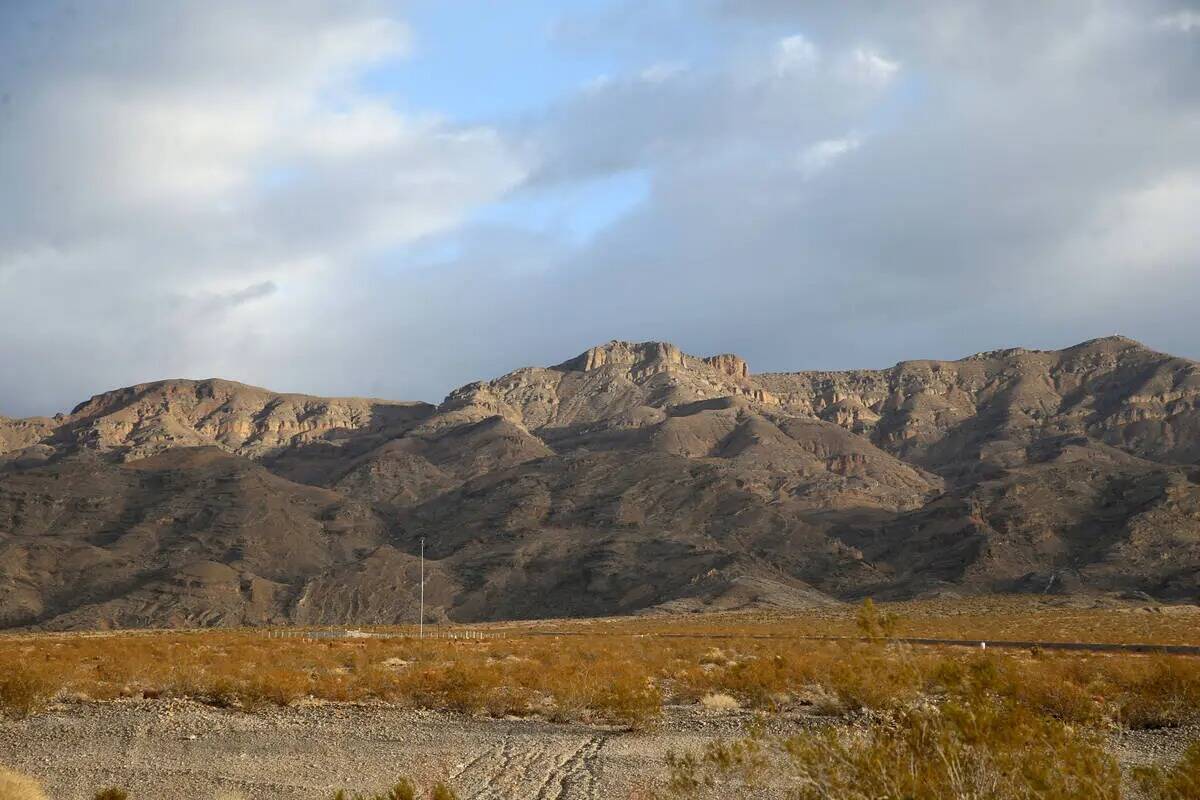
421	622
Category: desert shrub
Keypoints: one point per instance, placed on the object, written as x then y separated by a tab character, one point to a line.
267	687
611	671
759	675
403	790
1054	688
985	749
719	764
714	656
1061	699
866	679
26	690
112	793
720	702
757	681
1181	782
15	786
574	696
874	624
631	698
1160	692
461	687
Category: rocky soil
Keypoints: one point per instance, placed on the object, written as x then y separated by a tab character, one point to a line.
182	749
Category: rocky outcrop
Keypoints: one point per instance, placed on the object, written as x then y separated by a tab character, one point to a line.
1112	389
19	434
646	355
630	477
731	365
146	419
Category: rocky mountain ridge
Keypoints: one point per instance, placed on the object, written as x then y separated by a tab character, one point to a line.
631	477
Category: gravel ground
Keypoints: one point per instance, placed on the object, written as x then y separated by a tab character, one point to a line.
1150	748
180	749
160	750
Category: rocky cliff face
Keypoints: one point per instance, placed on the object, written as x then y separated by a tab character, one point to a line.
149	418
1113	390
20	434
630	477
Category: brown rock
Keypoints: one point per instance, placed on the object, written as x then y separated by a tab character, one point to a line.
608	484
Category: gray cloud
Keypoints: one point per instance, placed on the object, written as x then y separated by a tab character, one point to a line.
159	158
1025	177
831	185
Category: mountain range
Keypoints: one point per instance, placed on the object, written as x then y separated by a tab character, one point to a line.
631	478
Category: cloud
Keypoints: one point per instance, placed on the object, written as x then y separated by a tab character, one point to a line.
869	67
819	156
972	220
216	302
794	52
662	71
171	155
895	182
1184	21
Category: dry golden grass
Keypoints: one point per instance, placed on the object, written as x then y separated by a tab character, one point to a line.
26	688
15	786
982	618
947	722
974	746
1181	782
111	793
403	790
623	671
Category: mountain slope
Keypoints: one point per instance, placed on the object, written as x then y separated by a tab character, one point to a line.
630	477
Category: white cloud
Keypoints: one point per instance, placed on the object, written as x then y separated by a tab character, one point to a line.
663	71
1142	234
1184	21
188	165
965	211
870	68
195	198
794	53
823	154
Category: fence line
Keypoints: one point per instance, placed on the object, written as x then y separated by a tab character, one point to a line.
470	634
430	633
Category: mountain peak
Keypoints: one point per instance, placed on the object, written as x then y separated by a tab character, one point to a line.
635	354
733	365
619	353
1111	343
607	485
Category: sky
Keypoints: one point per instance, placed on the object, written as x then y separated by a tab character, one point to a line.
392	199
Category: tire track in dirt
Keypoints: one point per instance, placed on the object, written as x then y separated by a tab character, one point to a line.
512	771
469	766
524	768
579	769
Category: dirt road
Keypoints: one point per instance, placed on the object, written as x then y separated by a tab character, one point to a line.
173	749
162	750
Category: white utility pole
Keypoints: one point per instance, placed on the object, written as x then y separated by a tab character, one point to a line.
421	634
